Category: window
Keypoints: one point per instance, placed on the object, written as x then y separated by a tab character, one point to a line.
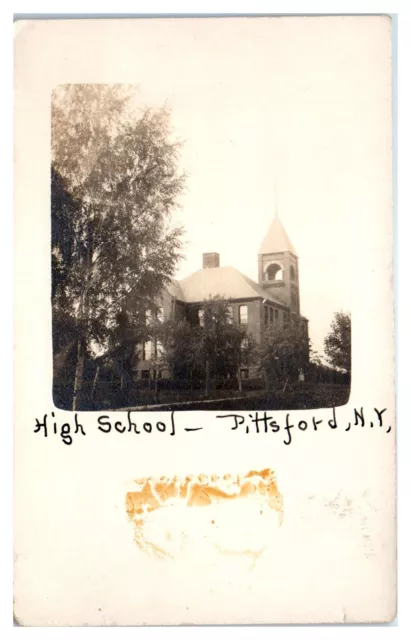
271	315
148	316
244	374
145	374
201	317
265	315
292	272
274	271
243	314
230	315
244	343
160	314
276	314
159	348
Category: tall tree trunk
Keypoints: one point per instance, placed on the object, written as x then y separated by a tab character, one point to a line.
156	394
78	379
207	380
240	381
93	390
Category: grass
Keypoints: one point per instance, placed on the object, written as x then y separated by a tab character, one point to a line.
312	397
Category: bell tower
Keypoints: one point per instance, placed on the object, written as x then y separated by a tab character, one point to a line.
278	271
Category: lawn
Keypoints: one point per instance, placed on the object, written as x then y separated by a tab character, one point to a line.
308	397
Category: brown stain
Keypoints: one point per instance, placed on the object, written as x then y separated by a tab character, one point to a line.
261	488
247	489
184	488
206	494
264	474
166	490
199	491
137	500
198	497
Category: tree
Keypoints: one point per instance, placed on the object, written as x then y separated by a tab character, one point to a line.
219	340
179	354
337	344
283	352
214	348
115	182
246	356
64	209
63	214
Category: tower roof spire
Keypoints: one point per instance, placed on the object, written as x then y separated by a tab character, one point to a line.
276	239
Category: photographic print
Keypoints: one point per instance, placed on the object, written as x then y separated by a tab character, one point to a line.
131	211
204	321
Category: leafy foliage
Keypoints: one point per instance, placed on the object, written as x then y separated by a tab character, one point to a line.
214	349
115	182
284	351
179	352
337	344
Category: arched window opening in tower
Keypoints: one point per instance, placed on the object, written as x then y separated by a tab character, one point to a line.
243	314
274	272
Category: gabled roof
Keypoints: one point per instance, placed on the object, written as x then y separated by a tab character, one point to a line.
276	239
227	282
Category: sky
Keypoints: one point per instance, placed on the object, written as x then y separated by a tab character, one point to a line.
284	111
290	112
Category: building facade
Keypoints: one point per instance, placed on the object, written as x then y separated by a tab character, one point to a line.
273	300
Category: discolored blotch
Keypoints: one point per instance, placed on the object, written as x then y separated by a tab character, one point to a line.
198	491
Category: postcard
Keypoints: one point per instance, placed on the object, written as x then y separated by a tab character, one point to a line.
204	321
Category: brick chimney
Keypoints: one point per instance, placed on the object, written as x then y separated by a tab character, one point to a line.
211	260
